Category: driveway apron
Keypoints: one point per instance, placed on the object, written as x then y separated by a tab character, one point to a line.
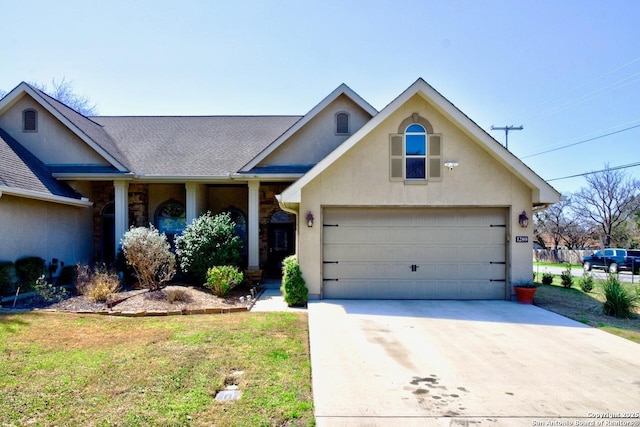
423	363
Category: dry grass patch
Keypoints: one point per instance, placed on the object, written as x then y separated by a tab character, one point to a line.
64	369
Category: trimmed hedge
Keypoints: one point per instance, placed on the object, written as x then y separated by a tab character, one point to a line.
294	288
29	270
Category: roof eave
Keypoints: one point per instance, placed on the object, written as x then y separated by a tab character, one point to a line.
36	195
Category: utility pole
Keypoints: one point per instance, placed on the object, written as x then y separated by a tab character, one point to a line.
506	130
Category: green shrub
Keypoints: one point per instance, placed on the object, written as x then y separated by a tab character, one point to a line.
294	289
68	275
7	277
29	270
618	301
566	278
221	279
149	254
97	284
547	278
586	283
46	292
208	241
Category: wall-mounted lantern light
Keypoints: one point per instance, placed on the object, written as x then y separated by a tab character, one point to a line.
523	219
309	219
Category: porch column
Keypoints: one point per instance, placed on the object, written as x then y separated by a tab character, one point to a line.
194	200
121	199
253	235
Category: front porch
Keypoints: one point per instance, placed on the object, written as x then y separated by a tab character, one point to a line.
267	232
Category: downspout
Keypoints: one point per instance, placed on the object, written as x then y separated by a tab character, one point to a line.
293	208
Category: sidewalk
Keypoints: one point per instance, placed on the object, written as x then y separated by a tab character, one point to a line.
271	299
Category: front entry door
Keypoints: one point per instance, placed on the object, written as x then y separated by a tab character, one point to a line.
281	242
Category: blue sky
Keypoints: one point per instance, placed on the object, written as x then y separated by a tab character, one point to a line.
567	70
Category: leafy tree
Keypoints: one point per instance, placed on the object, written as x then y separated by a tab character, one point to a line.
208	241
608	201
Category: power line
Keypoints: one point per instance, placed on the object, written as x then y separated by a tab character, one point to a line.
580	142
614	168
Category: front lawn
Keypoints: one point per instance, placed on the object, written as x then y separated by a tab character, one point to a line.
67	369
586	308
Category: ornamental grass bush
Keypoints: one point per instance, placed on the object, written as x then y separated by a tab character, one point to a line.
294	288
619	302
221	279
97	284
208	241
149	254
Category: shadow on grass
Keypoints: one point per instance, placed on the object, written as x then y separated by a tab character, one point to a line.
11	322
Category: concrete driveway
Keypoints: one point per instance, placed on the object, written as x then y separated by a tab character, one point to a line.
441	363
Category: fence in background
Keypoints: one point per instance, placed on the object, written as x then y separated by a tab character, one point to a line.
560	255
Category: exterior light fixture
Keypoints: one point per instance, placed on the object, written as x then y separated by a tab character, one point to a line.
450	165
309	219
523	219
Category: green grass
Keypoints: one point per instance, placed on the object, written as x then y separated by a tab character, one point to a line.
64	369
555	264
587	307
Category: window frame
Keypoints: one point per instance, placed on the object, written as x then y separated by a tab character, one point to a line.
407	156
25	121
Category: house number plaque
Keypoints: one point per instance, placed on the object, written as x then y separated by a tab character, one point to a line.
522	239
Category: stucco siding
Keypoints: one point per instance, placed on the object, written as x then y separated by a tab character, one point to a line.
48	230
317	138
53	143
361	178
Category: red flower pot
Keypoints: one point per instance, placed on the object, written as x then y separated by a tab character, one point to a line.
525	295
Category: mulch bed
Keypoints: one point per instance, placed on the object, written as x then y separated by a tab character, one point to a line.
195	300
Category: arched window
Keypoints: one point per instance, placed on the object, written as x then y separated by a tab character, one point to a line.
342	123
171	218
415	151
29	120
415	145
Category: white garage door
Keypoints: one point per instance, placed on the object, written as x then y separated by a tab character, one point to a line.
403	253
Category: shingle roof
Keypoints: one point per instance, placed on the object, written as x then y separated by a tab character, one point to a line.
21	170
193	145
87	126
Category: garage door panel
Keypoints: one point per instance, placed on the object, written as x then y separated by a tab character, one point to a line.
396	289
415	253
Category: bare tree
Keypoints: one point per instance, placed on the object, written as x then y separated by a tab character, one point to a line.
552	224
609	200
63	91
578	234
